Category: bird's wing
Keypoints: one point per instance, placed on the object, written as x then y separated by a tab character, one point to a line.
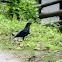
23	32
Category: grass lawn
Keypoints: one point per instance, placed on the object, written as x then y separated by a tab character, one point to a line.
45	43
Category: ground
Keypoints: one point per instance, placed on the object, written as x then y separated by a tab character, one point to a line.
31	56
43	44
7	57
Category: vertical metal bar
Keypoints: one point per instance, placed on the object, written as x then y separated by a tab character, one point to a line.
40	9
60	8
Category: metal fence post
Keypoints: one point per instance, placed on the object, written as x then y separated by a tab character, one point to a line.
60	8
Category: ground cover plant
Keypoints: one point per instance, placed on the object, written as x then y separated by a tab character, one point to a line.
43	44
21	8
42	41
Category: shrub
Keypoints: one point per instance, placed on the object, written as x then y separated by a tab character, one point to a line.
22	9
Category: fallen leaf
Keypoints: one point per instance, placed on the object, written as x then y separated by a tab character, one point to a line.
10	48
28	45
50	51
32	58
47	48
37	48
44	49
0	32
17	43
56	50
9	37
6	44
21	45
18	48
0	37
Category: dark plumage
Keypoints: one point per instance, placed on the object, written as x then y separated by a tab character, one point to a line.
24	32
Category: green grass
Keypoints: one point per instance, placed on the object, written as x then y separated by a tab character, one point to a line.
40	36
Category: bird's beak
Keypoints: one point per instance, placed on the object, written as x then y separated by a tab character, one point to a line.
31	23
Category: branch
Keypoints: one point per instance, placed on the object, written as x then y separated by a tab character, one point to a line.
51	14
48	4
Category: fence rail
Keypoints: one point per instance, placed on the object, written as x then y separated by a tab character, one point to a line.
48	4
52	14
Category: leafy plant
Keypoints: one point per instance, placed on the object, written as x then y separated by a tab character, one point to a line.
22	9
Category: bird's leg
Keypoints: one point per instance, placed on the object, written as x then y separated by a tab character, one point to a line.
23	38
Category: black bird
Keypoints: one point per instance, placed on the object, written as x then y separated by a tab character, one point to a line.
24	32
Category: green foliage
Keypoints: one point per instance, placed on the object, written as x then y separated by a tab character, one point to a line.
47	36
22	9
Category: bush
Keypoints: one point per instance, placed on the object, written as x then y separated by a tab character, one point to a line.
22	9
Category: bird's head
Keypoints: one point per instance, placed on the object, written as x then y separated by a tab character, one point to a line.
28	24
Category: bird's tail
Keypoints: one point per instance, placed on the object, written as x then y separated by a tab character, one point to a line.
12	39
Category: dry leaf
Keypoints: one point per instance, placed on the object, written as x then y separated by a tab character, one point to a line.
17	43
56	50
32	58
18	48
47	48
28	45
10	48
21	45
37	48
0	37
6	44
50	51
0	32
44	49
